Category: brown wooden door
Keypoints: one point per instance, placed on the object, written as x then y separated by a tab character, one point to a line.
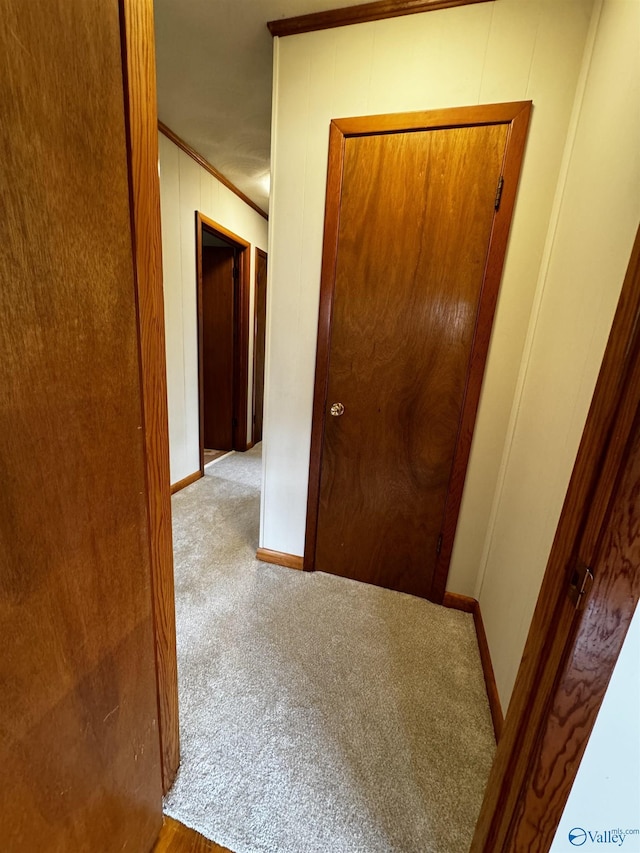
259	344
415	222
79	747
218	345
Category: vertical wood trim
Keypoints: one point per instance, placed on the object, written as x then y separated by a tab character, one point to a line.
551	641
327	280
241	333
200	341
513	156
140	100
259	253
471	605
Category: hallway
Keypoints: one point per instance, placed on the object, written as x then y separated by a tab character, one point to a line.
317	713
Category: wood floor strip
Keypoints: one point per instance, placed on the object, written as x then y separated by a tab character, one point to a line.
471	605
177	838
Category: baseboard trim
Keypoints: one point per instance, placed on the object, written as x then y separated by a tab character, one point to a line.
182	484
471	605
290	561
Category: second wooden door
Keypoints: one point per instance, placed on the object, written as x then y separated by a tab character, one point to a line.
414	231
218	264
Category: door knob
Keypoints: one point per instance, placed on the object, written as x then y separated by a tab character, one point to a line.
337	409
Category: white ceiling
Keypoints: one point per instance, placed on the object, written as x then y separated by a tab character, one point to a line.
214	80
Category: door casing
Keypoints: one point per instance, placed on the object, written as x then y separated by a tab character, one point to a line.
241	332
516	117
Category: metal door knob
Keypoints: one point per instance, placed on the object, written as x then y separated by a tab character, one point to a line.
337	409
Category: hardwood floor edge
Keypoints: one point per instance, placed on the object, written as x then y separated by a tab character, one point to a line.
470	605
279	558
187	481
175	837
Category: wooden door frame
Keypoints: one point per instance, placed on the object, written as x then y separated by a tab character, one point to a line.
141	121
516	115
547	726
240	332
259	253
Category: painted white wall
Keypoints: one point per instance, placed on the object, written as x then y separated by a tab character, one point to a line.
184	188
588	251
606	792
506	51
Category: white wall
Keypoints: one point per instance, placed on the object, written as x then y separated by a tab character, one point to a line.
184	188
606	792
588	251
505	51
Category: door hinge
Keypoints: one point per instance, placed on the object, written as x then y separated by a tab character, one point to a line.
439	545
236	273
496	205
580	583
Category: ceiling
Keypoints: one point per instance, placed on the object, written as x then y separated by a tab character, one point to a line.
214	80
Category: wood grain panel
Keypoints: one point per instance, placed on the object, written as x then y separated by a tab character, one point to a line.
585	676
600	459
142	119
200	160
259	340
177	838
218	294
375	11
416	217
79	751
516	117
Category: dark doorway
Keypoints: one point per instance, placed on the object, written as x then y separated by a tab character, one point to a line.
223	323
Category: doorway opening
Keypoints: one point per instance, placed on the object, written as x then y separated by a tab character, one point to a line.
223	269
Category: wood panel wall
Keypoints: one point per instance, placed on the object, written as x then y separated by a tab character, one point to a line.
79	749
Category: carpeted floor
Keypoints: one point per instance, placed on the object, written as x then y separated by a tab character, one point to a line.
318	715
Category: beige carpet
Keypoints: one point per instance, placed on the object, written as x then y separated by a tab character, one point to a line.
318	715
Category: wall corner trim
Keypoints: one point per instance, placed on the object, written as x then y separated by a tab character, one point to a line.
471	605
279	558
200	160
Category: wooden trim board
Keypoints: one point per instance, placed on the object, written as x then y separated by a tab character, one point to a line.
471	605
186	481
200	160
141	118
375	11
279	558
